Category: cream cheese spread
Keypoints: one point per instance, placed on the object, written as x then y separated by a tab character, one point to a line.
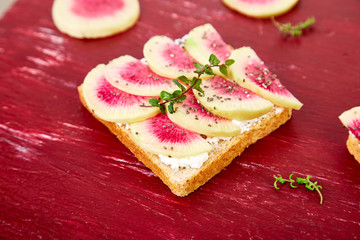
247	124
185	162
143	60
181	41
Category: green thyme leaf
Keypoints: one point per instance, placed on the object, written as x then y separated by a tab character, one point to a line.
229	62
197	82
180	99
183	89
198	65
199	71
176	93
154	102
209	71
164	95
223	69
213	60
171	107
184	79
200	90
162	109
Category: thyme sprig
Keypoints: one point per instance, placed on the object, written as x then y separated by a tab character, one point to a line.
308	184
194	83
293	30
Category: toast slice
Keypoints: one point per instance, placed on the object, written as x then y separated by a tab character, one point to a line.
186	180
353	145
351	120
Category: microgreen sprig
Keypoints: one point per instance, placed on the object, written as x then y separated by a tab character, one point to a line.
194	83
308	184
293	30
279	178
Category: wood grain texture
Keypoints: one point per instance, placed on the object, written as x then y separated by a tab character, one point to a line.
63	175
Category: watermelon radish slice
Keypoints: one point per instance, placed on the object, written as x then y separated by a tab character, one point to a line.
261	8
132	76
203	41
112	104
192	116
251	73
167	58
94	18
225	98
351	120
160	135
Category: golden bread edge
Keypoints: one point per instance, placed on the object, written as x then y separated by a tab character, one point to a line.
219	157
353	145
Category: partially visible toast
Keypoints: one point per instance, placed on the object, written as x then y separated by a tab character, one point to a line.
186	180
353	145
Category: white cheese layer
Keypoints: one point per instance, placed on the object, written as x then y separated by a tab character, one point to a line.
185	162
248	124
181	41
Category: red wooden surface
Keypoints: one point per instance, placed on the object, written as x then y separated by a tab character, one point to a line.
64	176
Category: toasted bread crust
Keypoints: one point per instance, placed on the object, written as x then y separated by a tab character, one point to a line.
353	145
184	181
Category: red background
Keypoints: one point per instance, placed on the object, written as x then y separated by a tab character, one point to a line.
64	175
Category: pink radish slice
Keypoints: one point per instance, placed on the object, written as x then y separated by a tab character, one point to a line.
112	104
251	73
225	98
203	41
259	74
261	8
351	120
132	76
96	8
168	59
160	135
94	18
192	116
